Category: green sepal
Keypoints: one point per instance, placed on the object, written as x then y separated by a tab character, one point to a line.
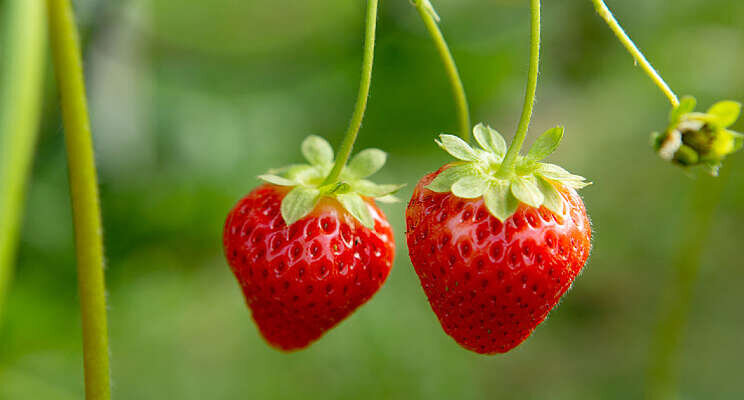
317	151
277	180
500	201
725	113
457	148
478	173
357	207
553	200
367	163
444	181
470	187
308	182
526	190
298	203
686	105
489	139
546	144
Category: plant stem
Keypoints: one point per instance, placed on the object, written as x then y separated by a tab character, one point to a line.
426	11
529	98
84	194
20	108
361	104
606	14
665	352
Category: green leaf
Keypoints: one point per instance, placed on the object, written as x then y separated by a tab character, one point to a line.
725	113
470	187
305	174
489	139
371	189
525	189
444	181
298	203
277	180
500	201
553	200
339	188
457	147
358	208
317	151
367	162
546	144
686	105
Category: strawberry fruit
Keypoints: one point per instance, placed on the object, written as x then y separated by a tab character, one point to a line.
305	254
495	253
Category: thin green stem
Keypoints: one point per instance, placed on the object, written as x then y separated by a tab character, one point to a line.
529	99
20	108
638	56
430	19
347	145
84	194
661	381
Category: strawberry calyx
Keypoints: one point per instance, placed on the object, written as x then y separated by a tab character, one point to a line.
480	173
308	182
699	139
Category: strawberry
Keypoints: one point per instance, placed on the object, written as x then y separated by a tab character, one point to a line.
496	251
308	254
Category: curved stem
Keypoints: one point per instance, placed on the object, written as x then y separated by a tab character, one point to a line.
529	98
84	194
20	110
606	14
347	145
661	381
458	89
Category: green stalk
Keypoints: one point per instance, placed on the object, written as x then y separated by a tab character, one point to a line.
84	194
529	99
20	110
661	381
638	56
361	104
458	90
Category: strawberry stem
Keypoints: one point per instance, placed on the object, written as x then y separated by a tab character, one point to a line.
19	122
84	194
507	166
634	51
361	104
661	382
458	89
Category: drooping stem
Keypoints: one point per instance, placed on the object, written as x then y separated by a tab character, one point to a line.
20	108
347	145
638	56
529	98
427	13
84	195
661	381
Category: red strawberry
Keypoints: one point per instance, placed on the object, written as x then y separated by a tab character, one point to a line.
491	283
303	278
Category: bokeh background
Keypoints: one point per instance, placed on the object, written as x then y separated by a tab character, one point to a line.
191	100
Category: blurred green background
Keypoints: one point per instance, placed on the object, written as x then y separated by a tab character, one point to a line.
190	100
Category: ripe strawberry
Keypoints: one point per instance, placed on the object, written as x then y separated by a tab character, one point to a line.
490	282
307	257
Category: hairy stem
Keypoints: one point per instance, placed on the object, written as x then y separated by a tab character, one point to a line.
361	104
84	194
661	381
638	56
20	108
458	90
529	98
